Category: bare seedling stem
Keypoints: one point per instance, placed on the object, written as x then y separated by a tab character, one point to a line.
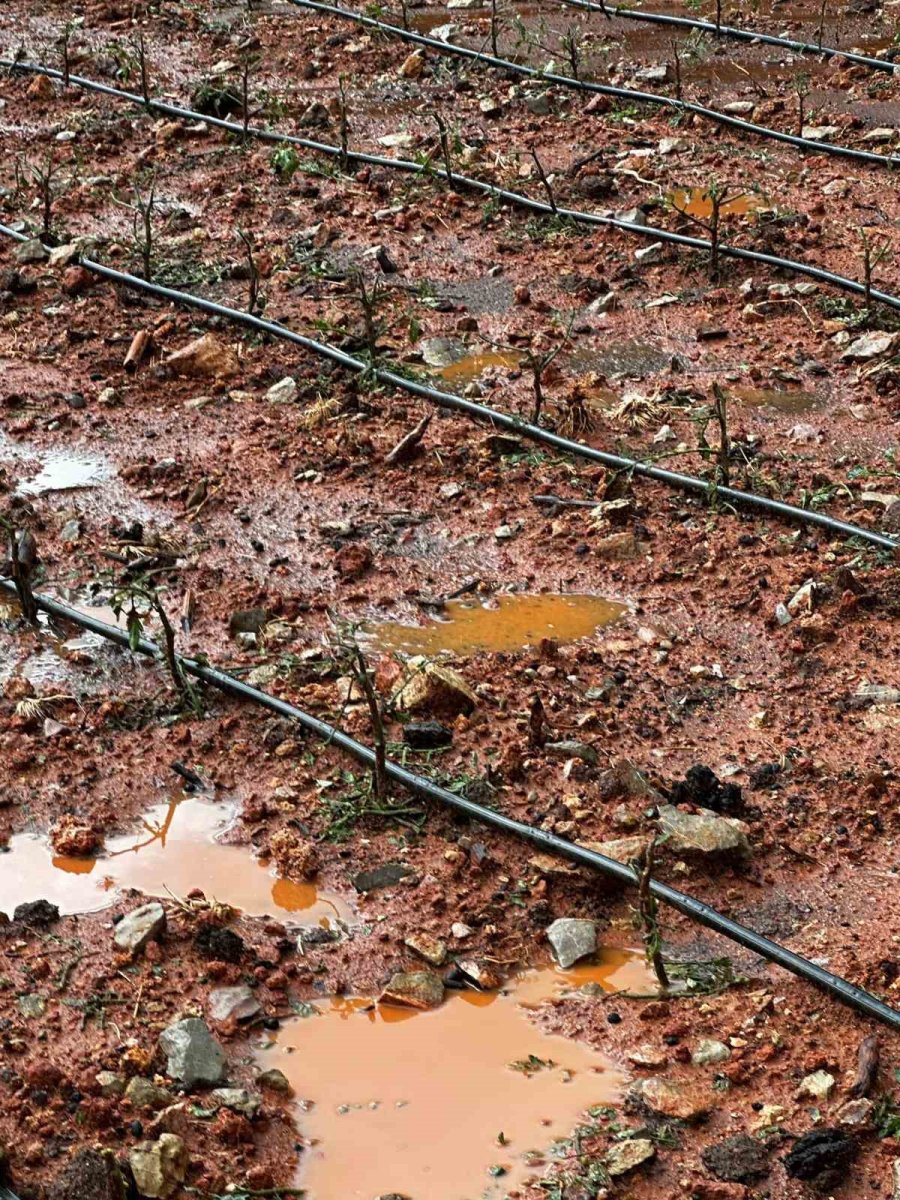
253	279
376	717
720	412
649	917
551	199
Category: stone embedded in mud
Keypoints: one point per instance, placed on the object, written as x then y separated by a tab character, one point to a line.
238	1003
709	1052
352	561
619	546
205	357
140	926
194	1056
415	989
31	251
248	620
295	856
72	837
737	1159
703	788
622	850
36	912
88	1175
670	1099
381	877
427	735
484	977
430	948
572	938
239	1100
285	391
435	689
822	1157
275	1081
159	1167
870	345
572	750
628	1155
222	945
855	1112
818	1086
704	834
144	1093
110	1083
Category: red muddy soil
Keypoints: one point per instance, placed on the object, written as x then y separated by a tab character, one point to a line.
600	652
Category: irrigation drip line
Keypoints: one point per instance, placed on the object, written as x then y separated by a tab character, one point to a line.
430	170
694	909
481	412
736	32
603	89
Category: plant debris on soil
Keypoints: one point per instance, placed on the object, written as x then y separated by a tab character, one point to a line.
233	960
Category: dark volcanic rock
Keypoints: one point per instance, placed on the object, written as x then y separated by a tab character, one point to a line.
89	1175
36	912
737	1159
701	786
221	944
822	1157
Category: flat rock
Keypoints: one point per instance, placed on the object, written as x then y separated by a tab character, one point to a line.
194	1056
238	1003
571	749
430	948
818	1086
36	912
205	357
572	938
275	1081
239	1100
31	251
628	1155
703	834
144	1093
737	1159
387	875
442	351
415	989
670	1099
248	620
427	735
285	391
709	1052
140	926
159	1167
436	690
870	345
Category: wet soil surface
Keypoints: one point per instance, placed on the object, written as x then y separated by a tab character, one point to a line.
566	665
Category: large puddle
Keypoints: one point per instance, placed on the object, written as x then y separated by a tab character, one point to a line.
64	472
510	623
175	851
461	1102
697	202
473	365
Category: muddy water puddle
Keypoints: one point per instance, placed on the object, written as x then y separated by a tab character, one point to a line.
461	1102
175	850
507	624
474	365
65	472
697	202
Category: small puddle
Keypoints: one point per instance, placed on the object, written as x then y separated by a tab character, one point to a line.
64	472
473	365
512	622
697	202
786	402
398	1101
176	852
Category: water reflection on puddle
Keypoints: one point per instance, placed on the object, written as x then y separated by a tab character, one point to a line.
473	365
511	623
64	472
174	852
697	202
395	1100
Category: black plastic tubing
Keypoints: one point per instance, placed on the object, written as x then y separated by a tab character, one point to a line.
735	32
482	412
652	232
692	908
603	89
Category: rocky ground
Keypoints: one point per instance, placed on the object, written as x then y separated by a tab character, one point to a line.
738	702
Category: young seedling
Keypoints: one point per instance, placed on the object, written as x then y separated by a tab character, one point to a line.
370	303
253	271
247	65
718	18
143	68
872	255
495	30
545	182
720	201
22	560
404	13
42	174
65	40
720	412
571	42
676	58
821	31
142	210
344	124
648	917
363	677
134	600
802	87
537	363
445	146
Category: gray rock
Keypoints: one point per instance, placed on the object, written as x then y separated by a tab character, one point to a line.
539	105
709	1052
31	251
627	1155
442	351
573	750
737	1159
194	1056
110	1083
285	391
414	989
159	1167
140	926
248	620
32	1005
703	834
381	877
239	1100
572	938
144	1093
233	1003
870	345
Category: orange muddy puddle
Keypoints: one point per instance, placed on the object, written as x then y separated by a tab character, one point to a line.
473	365
511	623
174	853
786	402
696	202
394	1100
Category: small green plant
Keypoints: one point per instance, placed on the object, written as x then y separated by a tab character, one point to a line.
142	209
134	600
285	162
21	562
647	917
43	175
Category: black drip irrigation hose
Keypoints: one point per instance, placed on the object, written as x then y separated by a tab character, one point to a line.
736	32
692	908
431	170
603	89
491	416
